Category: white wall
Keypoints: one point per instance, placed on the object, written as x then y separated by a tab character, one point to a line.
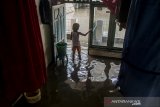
46	39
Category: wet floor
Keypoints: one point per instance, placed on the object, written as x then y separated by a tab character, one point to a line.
83	83
87	81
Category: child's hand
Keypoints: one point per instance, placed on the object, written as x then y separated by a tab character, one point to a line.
90	30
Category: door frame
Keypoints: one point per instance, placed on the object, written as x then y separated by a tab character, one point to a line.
111	31
109	50
58	26
113	51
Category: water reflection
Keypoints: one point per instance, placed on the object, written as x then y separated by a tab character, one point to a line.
86	74
81	70
91	76
74	74
114	72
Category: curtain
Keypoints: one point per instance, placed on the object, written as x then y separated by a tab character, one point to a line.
45	11
111	5
21	50
124	6
122	13
141	54
119	8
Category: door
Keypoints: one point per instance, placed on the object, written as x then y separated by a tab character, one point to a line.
58	16
106	39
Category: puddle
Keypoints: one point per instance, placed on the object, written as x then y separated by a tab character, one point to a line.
82	74
114	72
84	69
89	73
77	86
97	71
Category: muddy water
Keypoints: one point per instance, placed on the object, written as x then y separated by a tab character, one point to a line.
85	81
89	73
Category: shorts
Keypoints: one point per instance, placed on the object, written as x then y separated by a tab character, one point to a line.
78	48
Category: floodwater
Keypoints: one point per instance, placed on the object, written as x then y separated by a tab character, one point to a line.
90	75
85	82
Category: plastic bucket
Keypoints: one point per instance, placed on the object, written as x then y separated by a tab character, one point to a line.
61	49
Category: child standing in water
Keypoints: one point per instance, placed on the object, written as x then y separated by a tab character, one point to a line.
75	40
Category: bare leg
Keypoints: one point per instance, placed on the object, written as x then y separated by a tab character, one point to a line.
73	53
79	52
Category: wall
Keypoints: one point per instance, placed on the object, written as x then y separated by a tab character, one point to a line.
46	39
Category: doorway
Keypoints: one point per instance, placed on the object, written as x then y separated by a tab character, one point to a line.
104	40
58	26
77	13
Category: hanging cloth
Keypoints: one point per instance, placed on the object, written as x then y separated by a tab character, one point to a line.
140	68
122	13
111	5
21	50
45	13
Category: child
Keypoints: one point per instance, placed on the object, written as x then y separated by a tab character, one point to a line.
75	40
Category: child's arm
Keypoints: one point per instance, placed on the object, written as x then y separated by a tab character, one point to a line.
85	33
